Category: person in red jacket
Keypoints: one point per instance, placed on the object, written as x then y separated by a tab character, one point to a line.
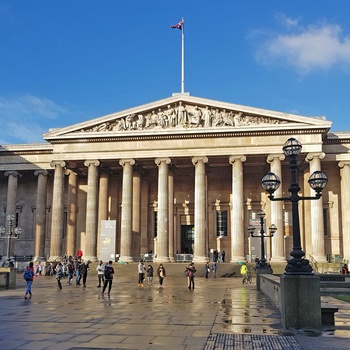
29	277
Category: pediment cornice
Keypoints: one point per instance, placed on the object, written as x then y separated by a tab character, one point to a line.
183	114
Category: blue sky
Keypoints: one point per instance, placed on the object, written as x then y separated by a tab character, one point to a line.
64	62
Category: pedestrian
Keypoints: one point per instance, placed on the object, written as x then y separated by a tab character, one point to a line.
141	272
40	269
244	273
161	273
149	272
59	275
70	269
28	275
80	254
190	271
345	270
108	274
214	268
206	270
223	256
84	268
100	273
77	272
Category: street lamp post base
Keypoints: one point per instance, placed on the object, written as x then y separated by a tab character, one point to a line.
298	267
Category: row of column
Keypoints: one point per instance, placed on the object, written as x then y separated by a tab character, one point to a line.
96	211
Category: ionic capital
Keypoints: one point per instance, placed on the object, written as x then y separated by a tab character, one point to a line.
311	156
232	159
130	161
94	162
271	157
13	173
41	172
343	164
60	163
196	160
158	161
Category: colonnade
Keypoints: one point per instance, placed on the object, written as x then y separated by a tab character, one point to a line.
96	209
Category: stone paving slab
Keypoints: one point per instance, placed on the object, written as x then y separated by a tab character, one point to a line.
218	314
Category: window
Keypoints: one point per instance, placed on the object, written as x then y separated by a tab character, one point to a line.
221	223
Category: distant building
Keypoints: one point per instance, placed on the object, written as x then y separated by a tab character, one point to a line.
182	174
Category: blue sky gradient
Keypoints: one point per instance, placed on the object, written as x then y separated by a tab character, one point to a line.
64	62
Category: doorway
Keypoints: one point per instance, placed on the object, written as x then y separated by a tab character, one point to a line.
187	239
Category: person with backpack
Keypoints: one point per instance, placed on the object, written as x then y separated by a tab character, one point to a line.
190	271
109	272
28	275
59	275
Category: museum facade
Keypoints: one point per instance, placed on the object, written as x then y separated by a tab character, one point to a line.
180	175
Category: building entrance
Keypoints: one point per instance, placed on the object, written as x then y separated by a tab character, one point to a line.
187	239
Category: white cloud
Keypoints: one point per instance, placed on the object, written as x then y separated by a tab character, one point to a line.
24	118
308	49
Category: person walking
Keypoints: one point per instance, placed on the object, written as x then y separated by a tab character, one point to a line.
100	273
59	275
206	270
108	274
84	268
141	271
149	272
77	272
214	268
244	273
28	275
70	270
190	271
161	273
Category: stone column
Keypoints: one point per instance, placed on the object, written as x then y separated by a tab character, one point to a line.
345	205
91	210
278	251
317	225
11	203
200	233
102	204
57	211
171	215
136	213
163	210
72	191
237	209
126	216
40	215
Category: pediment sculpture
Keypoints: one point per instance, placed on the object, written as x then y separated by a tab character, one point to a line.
183	116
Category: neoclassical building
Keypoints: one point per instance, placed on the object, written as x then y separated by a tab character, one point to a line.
179	175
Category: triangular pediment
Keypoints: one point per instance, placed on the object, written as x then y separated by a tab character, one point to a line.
181	114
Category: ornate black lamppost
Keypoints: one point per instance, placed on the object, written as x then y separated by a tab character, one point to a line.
251	229
10	233
317	181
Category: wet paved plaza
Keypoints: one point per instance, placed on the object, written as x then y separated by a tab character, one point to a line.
219	314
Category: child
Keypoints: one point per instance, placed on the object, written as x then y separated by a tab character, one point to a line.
149	272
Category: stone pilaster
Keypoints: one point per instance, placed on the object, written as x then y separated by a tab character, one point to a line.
126	216
317	225
40	215
278	250
200	222
171	215
163	210
11	201
71	238
91	210
345	205
237	209
57	211
102	204
136	213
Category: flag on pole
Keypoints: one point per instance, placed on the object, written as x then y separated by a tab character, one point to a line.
178	26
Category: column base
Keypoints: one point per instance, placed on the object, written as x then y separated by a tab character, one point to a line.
320	259
200	259
237	259
278	259
91	258
39	258
161	259
125	259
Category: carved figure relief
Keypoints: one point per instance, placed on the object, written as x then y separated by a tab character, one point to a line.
182	116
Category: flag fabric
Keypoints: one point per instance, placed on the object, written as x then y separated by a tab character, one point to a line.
178	26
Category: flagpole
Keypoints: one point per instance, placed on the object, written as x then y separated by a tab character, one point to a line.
183	57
